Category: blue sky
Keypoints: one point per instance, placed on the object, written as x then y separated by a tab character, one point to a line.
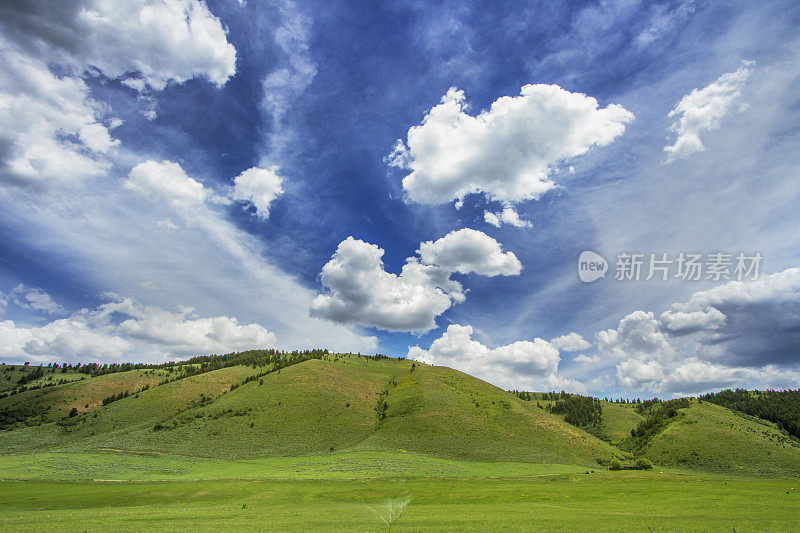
183	177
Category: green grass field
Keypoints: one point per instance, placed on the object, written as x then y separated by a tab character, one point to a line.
714	439
600	501
347	442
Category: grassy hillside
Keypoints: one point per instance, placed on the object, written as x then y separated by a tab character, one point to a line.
617	418
712	438
322	406
118	424
85	393
444	412
618	421
10	376
310	408
347	403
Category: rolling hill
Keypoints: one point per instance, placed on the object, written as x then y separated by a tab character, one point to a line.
711	438
54	402
317	407
332	404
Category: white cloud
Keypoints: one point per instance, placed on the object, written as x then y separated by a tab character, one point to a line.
146	333
492	218
740	333
166	181
163	40
96	138
507	216
259	186
117	239
36	299
47	121
647	360
748	323
638	336
508	152
294	74
682	322
70	338
468	250
664	21
362	292
526	365
185	333
570	343
137	84
587	360
702	110
53	131
694	375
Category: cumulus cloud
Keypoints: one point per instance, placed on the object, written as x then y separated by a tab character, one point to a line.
468	250
732	334
97	138
691	321
162	41
703	109
51	130
36	299
648	361
507	152
508	216
124	328
259	186
638	336
587	359
748	323
526	365
571	343
184	332
63	339
361	291
166	181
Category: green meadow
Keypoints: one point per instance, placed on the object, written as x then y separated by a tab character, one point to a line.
356	443
599	501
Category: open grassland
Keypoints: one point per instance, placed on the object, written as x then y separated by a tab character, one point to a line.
715	439
84	393
618	421
319	407
119	423
11	374
603	501
451	414
349	443
128	466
